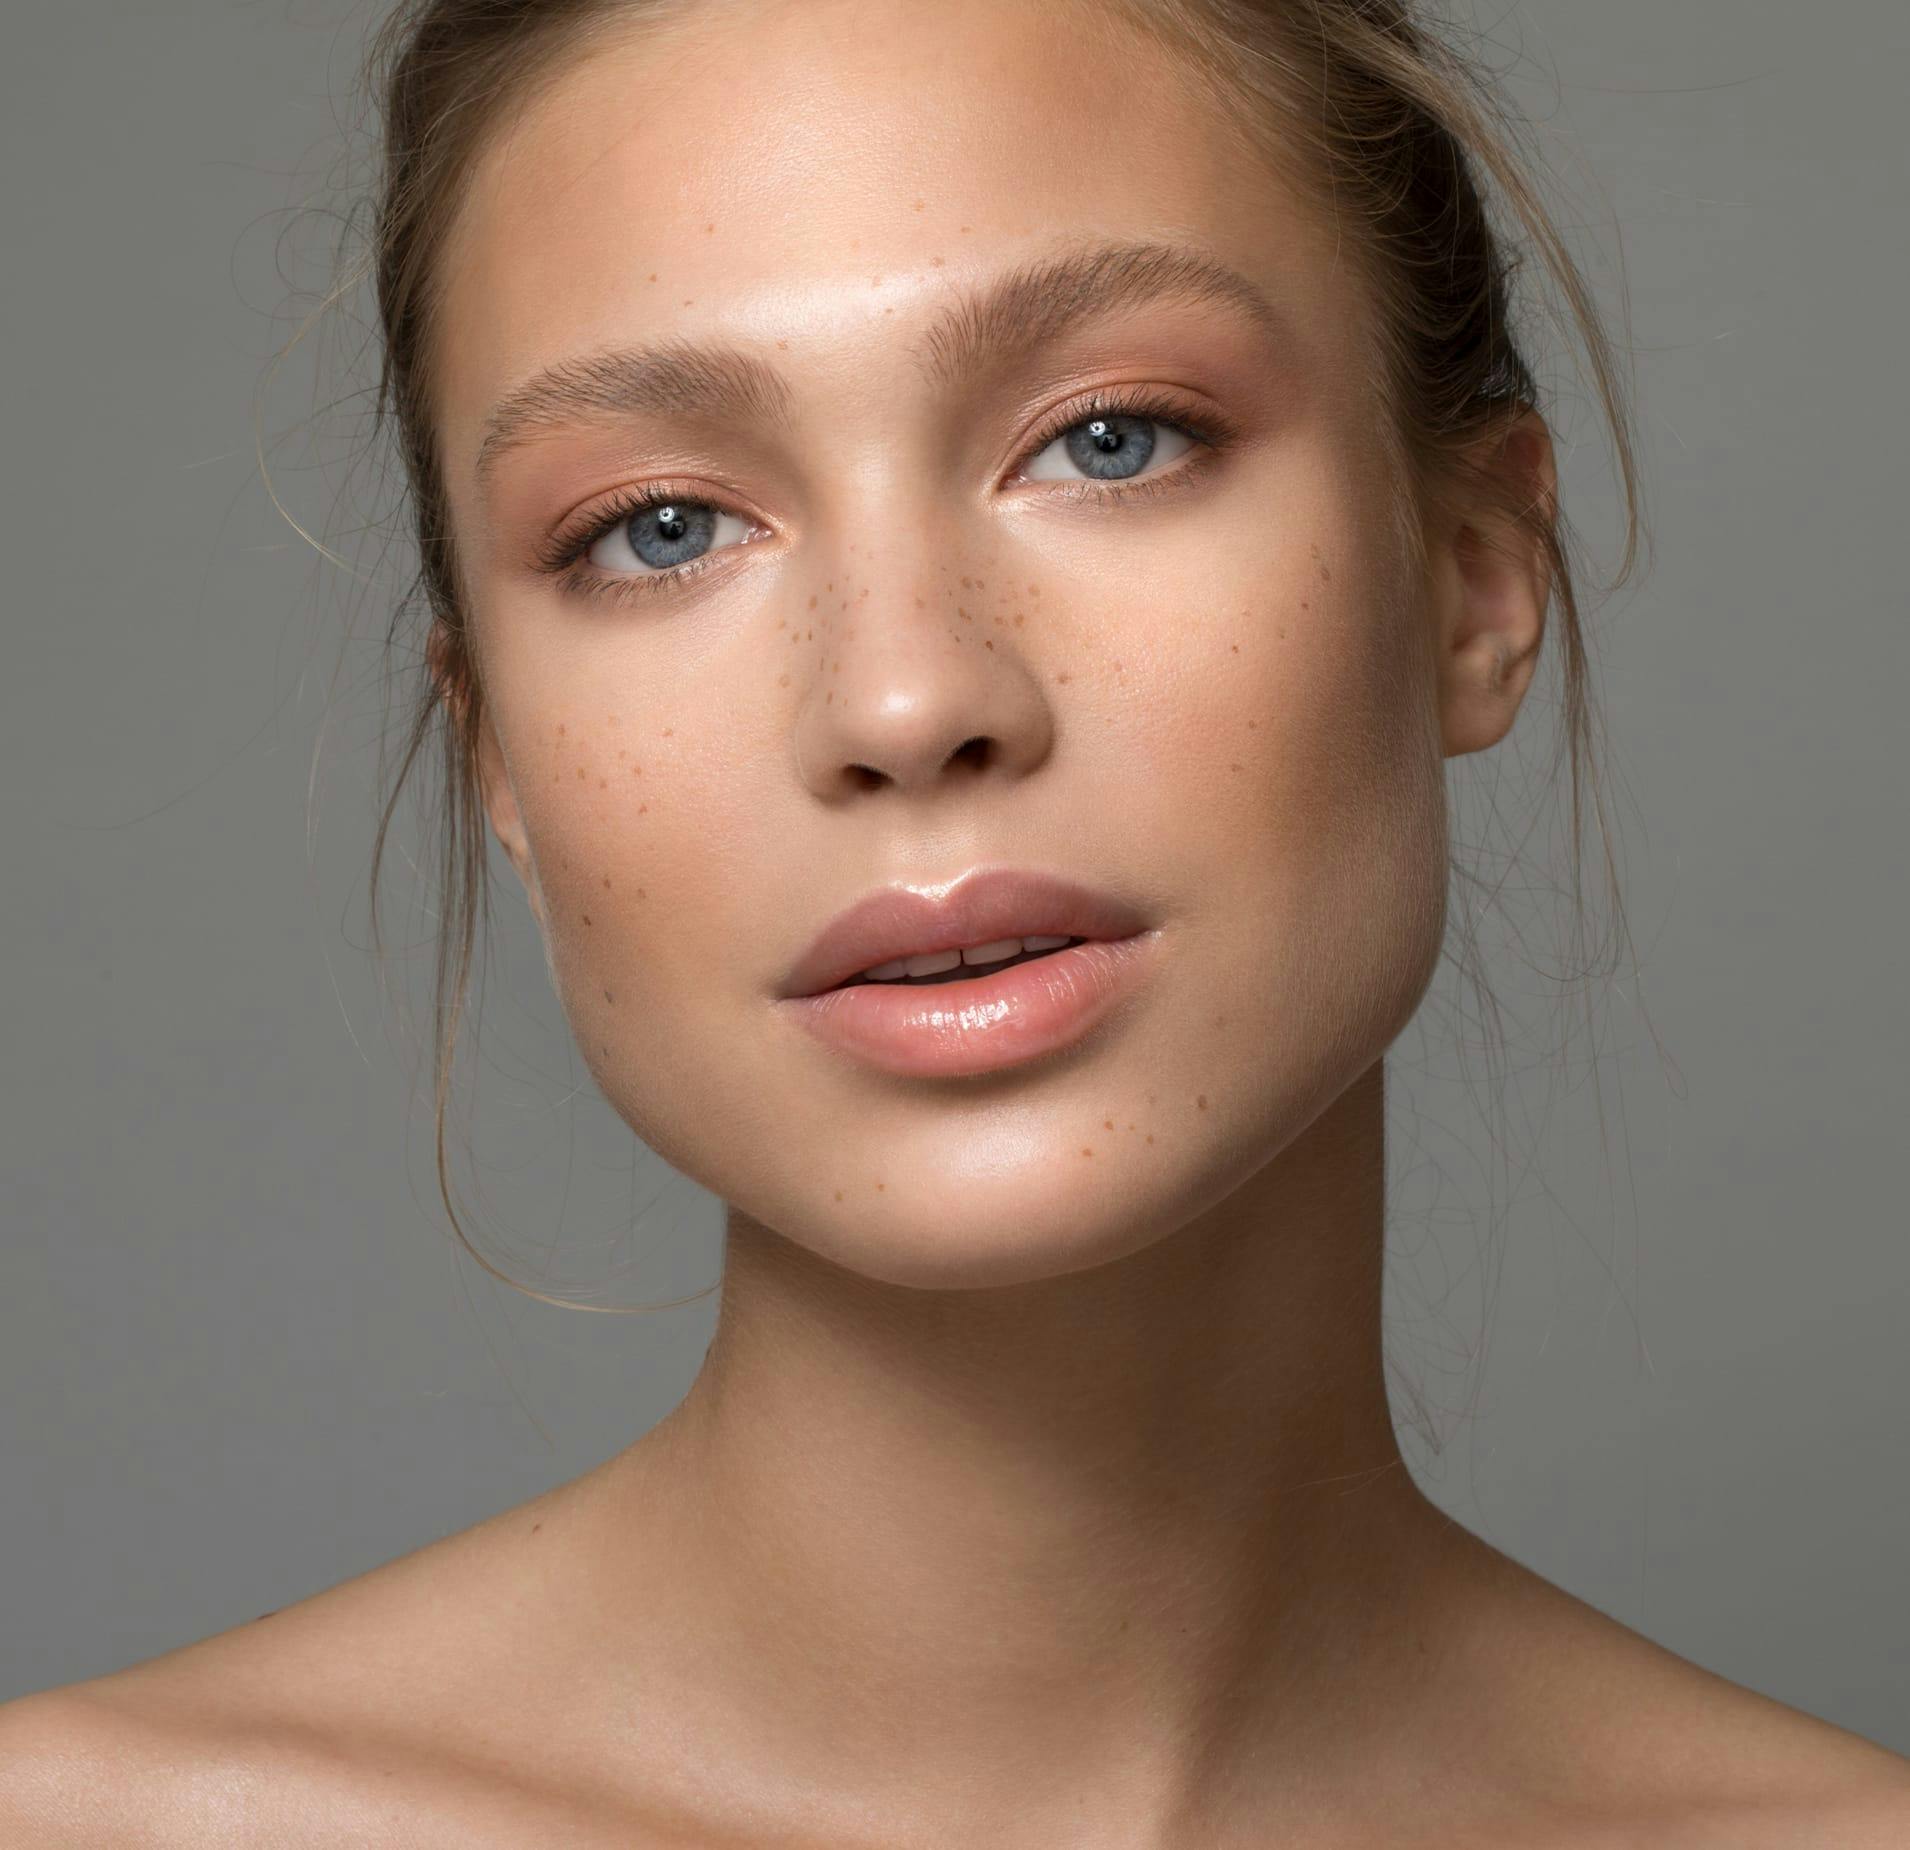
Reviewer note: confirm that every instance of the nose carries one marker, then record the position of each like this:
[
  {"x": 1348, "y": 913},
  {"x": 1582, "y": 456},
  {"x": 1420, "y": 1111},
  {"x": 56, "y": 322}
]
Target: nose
[{"x": 920, "y": 680}]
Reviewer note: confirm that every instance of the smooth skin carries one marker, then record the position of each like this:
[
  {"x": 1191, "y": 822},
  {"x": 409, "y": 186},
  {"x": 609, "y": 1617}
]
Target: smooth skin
[{"x": 1040, "y": 1487}]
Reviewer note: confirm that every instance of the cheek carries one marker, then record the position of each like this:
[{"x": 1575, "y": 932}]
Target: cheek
[{"x": 1309, "y": 793}]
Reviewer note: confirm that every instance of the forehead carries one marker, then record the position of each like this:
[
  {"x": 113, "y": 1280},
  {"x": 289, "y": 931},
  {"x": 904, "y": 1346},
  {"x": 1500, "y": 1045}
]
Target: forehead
[{"x": 823, "y": 173}]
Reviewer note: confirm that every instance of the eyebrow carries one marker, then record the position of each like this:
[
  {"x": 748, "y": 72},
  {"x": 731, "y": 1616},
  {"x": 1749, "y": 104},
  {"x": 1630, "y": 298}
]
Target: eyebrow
[{"x": 1015, "y": 315}]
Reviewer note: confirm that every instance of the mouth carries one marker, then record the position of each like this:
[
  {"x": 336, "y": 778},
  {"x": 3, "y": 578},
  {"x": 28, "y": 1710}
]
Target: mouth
[
  {"x": 970, "y": 931},
  {"x": 984, "y": 1017},
  {"x": 969, "y": 964}
]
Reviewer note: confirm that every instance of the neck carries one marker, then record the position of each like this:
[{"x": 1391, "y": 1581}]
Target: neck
[{"x": 1131, "y": 1528}]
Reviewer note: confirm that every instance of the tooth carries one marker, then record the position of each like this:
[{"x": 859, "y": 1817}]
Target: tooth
[
  {"x": 930, "y": 963},
  {"x": 900, "y": 967},
  {"x": 1043, "y": 944},
  {"x": 992, "y": 953}
]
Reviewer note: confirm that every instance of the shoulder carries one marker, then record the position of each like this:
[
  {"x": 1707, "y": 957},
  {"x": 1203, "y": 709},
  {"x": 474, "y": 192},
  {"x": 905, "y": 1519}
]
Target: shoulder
[
  {"x": 1617, "y": 1741},
  {"x": 85, "y": 1766},
  {"x": 327, "y": 1721}
]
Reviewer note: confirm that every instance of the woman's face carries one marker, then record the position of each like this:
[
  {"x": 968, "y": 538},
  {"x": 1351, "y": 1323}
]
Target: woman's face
[{"x": 1212, "y": 694}]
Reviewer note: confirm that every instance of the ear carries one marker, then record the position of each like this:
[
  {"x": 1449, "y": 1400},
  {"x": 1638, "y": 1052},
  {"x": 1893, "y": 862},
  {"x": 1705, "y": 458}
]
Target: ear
[
  {"x": 1491, "y": 582},
  {"x": 493, "y": 775}
]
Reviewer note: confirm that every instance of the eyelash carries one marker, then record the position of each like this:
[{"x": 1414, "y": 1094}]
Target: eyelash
[{"x": 564, "y": 556}]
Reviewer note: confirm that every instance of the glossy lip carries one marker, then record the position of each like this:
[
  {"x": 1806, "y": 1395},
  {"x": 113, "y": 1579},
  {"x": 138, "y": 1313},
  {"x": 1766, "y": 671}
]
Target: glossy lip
[
  {"x": 986, "y": 905},
  {"x": 981, "y": 1024}
]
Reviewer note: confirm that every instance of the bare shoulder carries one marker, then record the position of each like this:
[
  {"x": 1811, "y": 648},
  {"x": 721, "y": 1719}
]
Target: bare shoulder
[
  {"x": 335, "y": 1719},
  {"x": 1632, "y": 1744}
]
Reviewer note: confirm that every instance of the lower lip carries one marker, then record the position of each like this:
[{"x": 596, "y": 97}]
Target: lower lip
[{"x": 981, "y": 1024}]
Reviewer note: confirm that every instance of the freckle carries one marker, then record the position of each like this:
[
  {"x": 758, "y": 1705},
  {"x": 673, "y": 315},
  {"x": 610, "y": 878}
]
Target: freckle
[
  {"x": 640, "y": 893},
  {"x": 784, "y": 345},
  {"x": 621, "y": 753},
  {"x": 586, "y": 918},
  {"x": 1150, "y": 1098},
  {"x": 965, "y": 617},
  {"x": 918, "y": 205},
  {"x": 830, "y": 698},
  {"x": 782, "y": 680},
  {"x": 981, "y": 584},
  {"x": 1086, "y": 1150},
  {"x": 964, "y": 227},
  {"x": 935, "y": 262},
  {"x": 1019, "y": 619},
  {"x": 812, "y": 605},
  {"x": 988, "y": 645},
  {"x": 636, "y": 770},
  {"x": 1201, "y": 1101},
  {"x": 642, "y": 808},
  {"x": 535, "y": 1527},
  {"x": 1220, "y": 1021},
  {"x": 687, "y": 300},
  {"x": 838, "y": 668},
  {"x": 882, "y": 1185},
  {"x": 809, "y": 636},
  {"x": 606, "y": 883},
  {"x": 603, "y": 783},
  {"x": 580, "y": 774},
  {"x": 1109, "y": 1122},
  {"x": 1236, "y": 648},
  {"x": 1034, "y": 590},
  {"x": 709, "y": 227},
  {"x": 918, "y": 603},
  {"x": 838, "y": 1194},
  {"x": 668, "y": 730},
  {"x": 1326, "y": 577},
  {"x": 653, "y": 276},
  {"x": 1150, "y": 1136},
  {"x": 1253, "y": 725},
  {"x": 1283, "y": 633},
  {"x": 830, "y": 586},
  {"x": 1062, "y": 678},
  {"x": 968, "y": 584},
  {"x": 1117, "y": 667},
  {"x": 1233, "y": 767},
  {"x": 1304, "y": 605},
  {"x": 1130, "y": 1124},
  {"x": 608, "y": 997},
  {"x": 560, "y": 732}
]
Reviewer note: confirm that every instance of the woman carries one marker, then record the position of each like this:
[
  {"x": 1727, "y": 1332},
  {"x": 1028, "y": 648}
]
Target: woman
[{"x": 959, "y": 542}]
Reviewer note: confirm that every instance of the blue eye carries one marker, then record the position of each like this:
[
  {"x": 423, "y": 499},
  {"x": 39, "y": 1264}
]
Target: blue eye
[
  {"x": 1111, "y": 446},
  {"x": 659, "y": 535}
]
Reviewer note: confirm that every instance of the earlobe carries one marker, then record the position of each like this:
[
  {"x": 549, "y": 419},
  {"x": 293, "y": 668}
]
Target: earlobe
[{"x": 1491, "y": 584}]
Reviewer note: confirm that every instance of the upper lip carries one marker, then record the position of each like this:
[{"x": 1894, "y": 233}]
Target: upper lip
[{"x": 984, "y": 906}]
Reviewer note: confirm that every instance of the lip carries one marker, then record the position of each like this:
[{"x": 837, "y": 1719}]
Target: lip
[
  {"x": 987, "y": 904},
  {"x": 980, "y": 1024}
]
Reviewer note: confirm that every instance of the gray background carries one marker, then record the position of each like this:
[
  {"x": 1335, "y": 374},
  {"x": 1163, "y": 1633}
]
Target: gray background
[{"x": 240, "y": 1357}]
